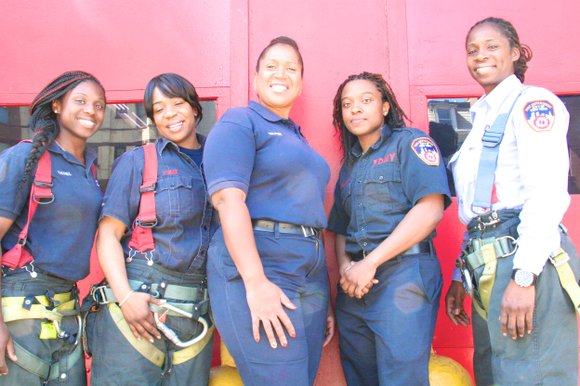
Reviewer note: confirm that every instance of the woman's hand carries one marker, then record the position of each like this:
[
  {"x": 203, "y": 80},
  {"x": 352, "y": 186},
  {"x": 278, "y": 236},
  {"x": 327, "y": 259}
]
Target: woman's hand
[
  {"x": 140, "y": 319},
  {"x": 358, "y": 278},
  {"x": 330, "y": 325},
  {"x": 454, "y": 304},
  {"x": 266, "y": 301},
  {"x": 517, "y": 310},
  {"x": 6, "y": 347}
]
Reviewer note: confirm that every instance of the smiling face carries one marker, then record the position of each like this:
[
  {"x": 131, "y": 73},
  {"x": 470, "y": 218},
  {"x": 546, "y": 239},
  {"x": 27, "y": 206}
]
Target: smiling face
[
  {"x": 80, "y": 112},
  {"x": 363, "y": 111},
  {"x": 490, "y": 59},
  {"x": 278, "y": 81},
  {"x": 175, "y": 119}
]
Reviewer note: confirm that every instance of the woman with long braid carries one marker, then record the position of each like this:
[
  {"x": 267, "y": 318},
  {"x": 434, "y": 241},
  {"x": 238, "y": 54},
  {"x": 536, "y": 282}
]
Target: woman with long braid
[{"x": 39, "y": 327}]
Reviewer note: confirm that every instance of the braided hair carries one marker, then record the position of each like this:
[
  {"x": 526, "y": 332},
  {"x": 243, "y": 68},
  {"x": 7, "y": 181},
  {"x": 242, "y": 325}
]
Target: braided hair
[
  {"x": 509, "y": 32},
  {"x": 395, "y": 118},
  {"x": 43, "y": 120}
]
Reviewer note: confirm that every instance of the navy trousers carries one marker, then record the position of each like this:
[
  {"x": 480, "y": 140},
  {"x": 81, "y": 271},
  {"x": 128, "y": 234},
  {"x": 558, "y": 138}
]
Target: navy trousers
[
  {"x": 297, "y": 265},
  {"x": 385, "y": 337}
]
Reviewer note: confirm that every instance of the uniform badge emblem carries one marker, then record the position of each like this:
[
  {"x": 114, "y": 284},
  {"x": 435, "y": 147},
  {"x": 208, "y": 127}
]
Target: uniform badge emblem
[
  {"x": 539, "y": 115},
  {"x": 426, "y": 150}
]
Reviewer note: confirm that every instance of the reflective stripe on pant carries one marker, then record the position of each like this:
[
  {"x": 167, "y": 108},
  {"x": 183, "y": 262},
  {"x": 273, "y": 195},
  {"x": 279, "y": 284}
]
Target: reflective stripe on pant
[
  {"x": 26, "y": 332},
  {"x": 116, "y": 362},
  {"x": 297, "y": 265},
  {"x": 385, "y": 337},
  {"x": 549, "y": 356}
]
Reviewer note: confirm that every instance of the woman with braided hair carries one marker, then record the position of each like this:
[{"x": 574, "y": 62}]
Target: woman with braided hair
[
  {"x": 390, "y": 196},
  {"x": 39, "y": 324}
]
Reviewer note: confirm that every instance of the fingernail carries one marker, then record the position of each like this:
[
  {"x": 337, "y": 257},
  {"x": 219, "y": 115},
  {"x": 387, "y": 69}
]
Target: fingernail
[
  {"x": 293, "y": 334},
  {"x": 274, "y": 345},
  {"x": 151, "y": 340},
  {"x": 284, "y": 344},
  {"x": 504, "y": 334}
]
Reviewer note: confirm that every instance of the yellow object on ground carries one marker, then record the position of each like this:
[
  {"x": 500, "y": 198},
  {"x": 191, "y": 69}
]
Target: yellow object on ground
[
  {"x": 444, "y": 371},
  {"x": 226, "y": 374}
]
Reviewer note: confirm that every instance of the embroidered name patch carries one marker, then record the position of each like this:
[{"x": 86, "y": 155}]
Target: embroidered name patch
[
  {"x": 426, "y": 151},
  {"x": 539, "y": 115}
]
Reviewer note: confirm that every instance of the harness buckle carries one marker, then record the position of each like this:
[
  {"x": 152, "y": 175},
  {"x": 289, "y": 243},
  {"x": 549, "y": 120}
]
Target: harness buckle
[
  {"x": 488, "y": 219},
  {"x": 558, "y": 262},
  {"x": 99, "y": 292},
  {"x": 146, "y": 224},
  {"x": 513, "y": 241},
  {"x": 150, "y": 188}
]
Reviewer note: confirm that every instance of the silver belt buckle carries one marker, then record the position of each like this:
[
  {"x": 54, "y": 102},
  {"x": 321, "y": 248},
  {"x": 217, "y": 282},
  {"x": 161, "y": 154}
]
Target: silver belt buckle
[{"x": 308, "y": 231}]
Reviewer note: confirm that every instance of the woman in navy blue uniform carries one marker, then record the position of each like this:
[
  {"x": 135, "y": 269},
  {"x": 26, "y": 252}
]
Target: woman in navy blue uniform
[
  {"x": 130, "y": 344},
  {"x": 389, "y": 198},
  {"x": 34, "y": 350},
  {"x": 267, "y": 269}
]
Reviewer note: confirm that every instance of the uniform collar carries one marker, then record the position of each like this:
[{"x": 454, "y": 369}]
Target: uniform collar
[
  {"x": 90, "y": 154},
  {"x": 386, "y": 132},
  {"x": 164, "y": 142},
  {"x": 500, "y": 93},
  {"x": 268, "y": 115}
]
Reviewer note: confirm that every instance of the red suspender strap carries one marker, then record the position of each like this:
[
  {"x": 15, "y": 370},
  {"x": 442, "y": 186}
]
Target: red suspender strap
[
  {"x": 40, "y": 193},
  {"x": 142, "y": 238}
]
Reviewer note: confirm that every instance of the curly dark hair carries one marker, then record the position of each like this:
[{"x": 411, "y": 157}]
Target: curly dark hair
[
  {"x": 43, "y": 120},
  {"x": 395, "y": 118},
  {"x": 509, "y": 32}
]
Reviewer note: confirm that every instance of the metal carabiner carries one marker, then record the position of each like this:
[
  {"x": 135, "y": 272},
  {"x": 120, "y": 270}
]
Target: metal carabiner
[{"x": 171, "y": 335}]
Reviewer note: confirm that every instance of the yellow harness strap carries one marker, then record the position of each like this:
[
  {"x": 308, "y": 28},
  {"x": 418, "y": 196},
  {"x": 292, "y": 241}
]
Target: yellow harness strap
[
  {"x": 13, "y": 308},
  {"x": 487, "y": 278},
  {"x": 567, "y": 278},
  {"x": 148, "y": 349}
]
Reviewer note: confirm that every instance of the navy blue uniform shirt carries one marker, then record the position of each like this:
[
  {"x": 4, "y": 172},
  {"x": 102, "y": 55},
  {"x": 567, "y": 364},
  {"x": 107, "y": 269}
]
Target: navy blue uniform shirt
[
  {"x": 374, "y": 194},
  {"x": 61, "y": 234},
  {"x": 184, "y": 213},
  {"x": 266, "y": 156}
]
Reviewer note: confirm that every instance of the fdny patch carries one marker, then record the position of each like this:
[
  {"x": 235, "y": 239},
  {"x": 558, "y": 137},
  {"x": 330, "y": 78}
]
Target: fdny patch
[
  {"x": 539, "y": 115},
  {"x": 426, "y": 151}
]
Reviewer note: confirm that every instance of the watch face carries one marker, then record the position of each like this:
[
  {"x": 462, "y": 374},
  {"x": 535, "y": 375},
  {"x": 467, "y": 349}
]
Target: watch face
[{"x": 523, "y": 278}]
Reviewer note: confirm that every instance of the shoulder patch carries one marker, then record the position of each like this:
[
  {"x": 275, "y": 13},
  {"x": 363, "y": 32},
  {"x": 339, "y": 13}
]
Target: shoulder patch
[
  {"x": 540, "y": 115},
  {"x": 426, "y": 150}
]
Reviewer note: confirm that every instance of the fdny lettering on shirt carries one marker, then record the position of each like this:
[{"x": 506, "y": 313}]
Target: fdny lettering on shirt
[
  {"x": 426, "y": 150},
  {"x": 382, "y": 160},
  {"x": 171, "y": 172},
  {"x": 539, "y": 115}
]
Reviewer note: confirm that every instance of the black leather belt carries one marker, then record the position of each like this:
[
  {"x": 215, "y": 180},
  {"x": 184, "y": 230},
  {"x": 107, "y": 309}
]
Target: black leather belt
[
  {"x": 420, "y": 247},
  {"x": 284, "y": 227}
]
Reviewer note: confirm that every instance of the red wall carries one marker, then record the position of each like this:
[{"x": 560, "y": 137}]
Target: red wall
[{"x": 417, "y": 45}]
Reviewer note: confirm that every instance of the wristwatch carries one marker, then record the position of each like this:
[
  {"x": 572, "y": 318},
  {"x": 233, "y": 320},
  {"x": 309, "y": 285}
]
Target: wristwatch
[{"x": 523, "y": 278}]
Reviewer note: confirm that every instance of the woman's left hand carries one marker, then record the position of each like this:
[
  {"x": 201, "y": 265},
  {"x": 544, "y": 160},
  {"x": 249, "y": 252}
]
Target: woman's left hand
[
  {"x": 359, "y": 279},
  {"x": 330, "y": 325}
]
